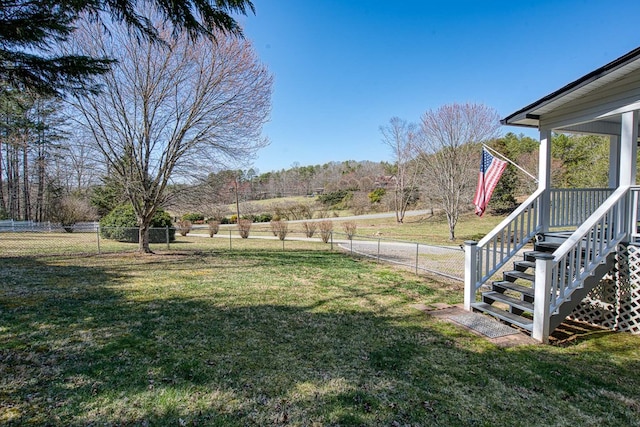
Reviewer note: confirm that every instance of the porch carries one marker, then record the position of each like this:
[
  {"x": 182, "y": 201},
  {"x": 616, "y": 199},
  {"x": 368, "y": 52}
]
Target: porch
[{"x": 561, "y": 243}]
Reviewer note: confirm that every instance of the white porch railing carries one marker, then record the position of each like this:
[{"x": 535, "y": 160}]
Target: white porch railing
[
  {"x": 635, "y": 215},
  {"x": 496, "y": 248},
  {"x": 570, "y": 207},
  {"x": 577, "y": 258}
]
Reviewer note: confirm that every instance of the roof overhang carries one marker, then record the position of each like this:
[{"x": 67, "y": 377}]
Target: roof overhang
[{"x": 530, "y": 115}]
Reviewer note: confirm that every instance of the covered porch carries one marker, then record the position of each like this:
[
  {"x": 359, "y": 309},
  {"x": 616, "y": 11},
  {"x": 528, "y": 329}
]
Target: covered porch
[{"x": 555, "y": 272}]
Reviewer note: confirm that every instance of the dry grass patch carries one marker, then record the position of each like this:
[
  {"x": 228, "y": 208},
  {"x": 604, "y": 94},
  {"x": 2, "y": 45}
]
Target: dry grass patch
[{"x": 259, "y": 337}]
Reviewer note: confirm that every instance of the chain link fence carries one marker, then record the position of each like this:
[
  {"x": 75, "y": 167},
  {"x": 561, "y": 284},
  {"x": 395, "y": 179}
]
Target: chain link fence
[
  {"x": 447, "y": 261},
  {"x": 23, "y": 239}
]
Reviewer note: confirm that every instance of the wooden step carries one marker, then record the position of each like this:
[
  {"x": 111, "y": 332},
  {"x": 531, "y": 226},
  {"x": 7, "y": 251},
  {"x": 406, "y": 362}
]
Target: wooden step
[
  {"x": 492, "y": 296},
  {"x": 556, "y": 237},
  {"x": 523, "y": 265},
  {"x": 503, "y": 286},
  {"x": 558, "y": 234},
  {"x": 531, "y": 255},
  {"x": 515, "y": 274},
  {"x": 546, "y": 246},
  {"x": 513, "y": 319}
]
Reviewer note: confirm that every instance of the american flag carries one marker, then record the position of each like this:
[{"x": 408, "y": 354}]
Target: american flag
[{"x": 490, "y": 172}]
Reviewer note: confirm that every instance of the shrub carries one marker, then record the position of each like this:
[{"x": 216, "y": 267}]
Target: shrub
[
  {"x": 280, "y": 229},
  {"x": 69, "y": 210},
  {"x": 293, "y": 211},
  {"x": 121, "y": 224},
  {"x": 334, "y": 198},
  {"x": 326, "y": 227},
  {"x": 214, "y": 227},
  {"x": 359, "y": 203},
  {"x": 244, "y": 225},
  {"x": 264, "y": 217},
  {"x": 349, "y": 228},
  {"x": 376, "y": 195},
  {"x": 233, "y": 219},
  {"x": 309, "y": 228},
  {"x": 184, "y": 227},
  {"x": 193, "y": 217}
]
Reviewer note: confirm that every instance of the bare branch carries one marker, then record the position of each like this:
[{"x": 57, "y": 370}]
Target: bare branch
[
  {"x": 170, "y": 110},
  {"x": 447, "y": 148}
]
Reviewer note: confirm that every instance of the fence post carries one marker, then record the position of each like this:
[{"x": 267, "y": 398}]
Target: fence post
[
  {"x": 230, "y": 239},
  {"x": 98, "y": 237},
  {"x": 167, "y": 235},
  {"x": 417, "y": 254},
  {"x": 378, "y": 250},
  {"x": 331, "y": 237},
  {"x": 542, "y": 290},
  {"x": 470, "y": 272},
  {"x": 350, "y": 244}
]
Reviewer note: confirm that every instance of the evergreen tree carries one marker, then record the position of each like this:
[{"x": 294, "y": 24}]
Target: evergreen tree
[
  {"x": 513, "y": 182},
  {"x": 31, "y": 29}
]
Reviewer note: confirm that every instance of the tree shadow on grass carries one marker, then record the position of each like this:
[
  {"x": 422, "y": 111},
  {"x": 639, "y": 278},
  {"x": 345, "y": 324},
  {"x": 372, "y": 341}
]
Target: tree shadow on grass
[{"x": 79, "y": 348}]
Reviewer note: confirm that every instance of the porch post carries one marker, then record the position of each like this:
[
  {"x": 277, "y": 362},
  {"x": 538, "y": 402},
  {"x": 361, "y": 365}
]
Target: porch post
[
  {"x": 614, "y": 161},
  {"x": 544, "y": 178},
  {"x": 470, "y": 272},
  {"x": 542, "y": 291},
  {"x": 628, "y": 148}
]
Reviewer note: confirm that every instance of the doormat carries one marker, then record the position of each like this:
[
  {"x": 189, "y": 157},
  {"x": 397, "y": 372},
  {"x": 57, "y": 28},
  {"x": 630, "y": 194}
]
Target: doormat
[{"x": 484, "y": 324}]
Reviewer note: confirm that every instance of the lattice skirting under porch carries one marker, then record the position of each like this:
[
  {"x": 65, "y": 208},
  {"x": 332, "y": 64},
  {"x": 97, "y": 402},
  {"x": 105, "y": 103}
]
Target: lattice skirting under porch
[{"x": 615, "y": 302}]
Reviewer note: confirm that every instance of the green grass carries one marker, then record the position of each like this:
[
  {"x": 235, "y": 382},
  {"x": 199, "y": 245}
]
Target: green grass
[
  {"x": 430, "y": 229},
  {"x": 262, "y": 337},
  {"x": 427, "y": 229}
]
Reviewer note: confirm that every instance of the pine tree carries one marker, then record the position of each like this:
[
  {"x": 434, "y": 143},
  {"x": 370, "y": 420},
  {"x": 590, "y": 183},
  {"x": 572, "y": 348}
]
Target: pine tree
[{"x": 31, "y": 29}]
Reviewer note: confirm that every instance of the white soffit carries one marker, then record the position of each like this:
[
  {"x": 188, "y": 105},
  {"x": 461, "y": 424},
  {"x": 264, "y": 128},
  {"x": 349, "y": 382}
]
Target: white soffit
[
  {"x": 617, "y": 69},
  {"x": 587, "y": 87}
]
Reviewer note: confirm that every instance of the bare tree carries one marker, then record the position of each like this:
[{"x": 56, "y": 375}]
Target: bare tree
[
  {"x": 401, "y": 137},
  {"x": 169, "y": 110},
  {"x": 449, "y": 155}
]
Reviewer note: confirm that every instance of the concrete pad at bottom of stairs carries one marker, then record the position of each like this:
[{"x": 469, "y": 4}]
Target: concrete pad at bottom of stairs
[{"x": 496, "y": 332}]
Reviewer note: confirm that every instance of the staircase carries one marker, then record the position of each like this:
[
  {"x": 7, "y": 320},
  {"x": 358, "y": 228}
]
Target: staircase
[{"x": 511, "y": 299}]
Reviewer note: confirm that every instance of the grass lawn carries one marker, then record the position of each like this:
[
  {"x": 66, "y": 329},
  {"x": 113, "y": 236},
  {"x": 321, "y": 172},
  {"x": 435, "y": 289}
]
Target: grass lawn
[
  {"x": 263, "y": 337},
  {"x": 430, "y": 229}
]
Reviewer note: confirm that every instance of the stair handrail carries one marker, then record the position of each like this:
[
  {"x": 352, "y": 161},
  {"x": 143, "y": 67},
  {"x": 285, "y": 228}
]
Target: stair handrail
[
  {"x": 579, "y": 255},
  {"x": 496, "y": 248}
]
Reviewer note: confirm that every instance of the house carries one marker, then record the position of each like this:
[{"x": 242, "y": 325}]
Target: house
[{"x": 570, "y": 252}]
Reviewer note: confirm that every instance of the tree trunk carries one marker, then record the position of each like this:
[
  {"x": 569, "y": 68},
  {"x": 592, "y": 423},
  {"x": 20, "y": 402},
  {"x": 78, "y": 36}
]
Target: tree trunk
[
  {"x": 396, "y": 206},
  {"x": 143, "y": 239},
  {"x": 13, "y": 181},
  {"x": 26, "y": 205},
  {"x": 40, "y": 166},
  {"x": 3, "y": 206},
  {"x": 452, "y": 227}
]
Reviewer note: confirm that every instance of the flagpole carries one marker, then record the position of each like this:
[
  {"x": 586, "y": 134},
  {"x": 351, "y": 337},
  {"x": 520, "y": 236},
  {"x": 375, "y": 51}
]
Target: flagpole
[{"x": 509, "y": 161}]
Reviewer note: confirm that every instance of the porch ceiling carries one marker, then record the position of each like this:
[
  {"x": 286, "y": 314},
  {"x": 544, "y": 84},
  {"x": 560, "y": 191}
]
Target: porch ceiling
[{"x": 573, "y": 94}]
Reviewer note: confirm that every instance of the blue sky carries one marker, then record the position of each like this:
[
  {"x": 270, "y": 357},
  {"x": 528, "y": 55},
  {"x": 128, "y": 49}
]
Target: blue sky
[{"x": 343, "y": 68}]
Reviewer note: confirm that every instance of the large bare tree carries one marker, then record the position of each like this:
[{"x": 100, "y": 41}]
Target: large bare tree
[
  {"x": 401, "y": 137},
  {"x": 171, "y": 109},
  {"x": 448, "y": 148}
]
